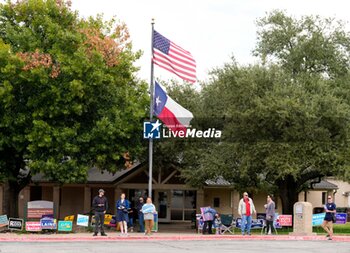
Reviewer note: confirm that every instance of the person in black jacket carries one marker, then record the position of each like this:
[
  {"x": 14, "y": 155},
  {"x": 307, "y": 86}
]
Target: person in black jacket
[
  {"x": 100, "y": 205},
  {"x": 140, "y": 214}
]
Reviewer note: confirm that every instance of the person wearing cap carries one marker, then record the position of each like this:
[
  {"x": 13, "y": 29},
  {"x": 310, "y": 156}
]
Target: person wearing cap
[
  {"x": 100, "y": 205},
  {"x": 246, "y": 209}
]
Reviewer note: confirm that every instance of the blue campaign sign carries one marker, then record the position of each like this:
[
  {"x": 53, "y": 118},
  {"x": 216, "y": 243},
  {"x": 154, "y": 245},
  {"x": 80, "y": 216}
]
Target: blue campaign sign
[
  {"x": 317, "y": 219},
  {"x": 83, "y": 220},
  {"x": 256, "y": 223},
  {"x": 48, "y": 223},
  {"x": 341, "y": 218},
  {"x": 3, "y": 220}
]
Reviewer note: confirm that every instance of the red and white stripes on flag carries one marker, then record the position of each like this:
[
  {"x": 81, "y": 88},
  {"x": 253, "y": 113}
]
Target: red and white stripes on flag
[{"x": 173, "y": 58}]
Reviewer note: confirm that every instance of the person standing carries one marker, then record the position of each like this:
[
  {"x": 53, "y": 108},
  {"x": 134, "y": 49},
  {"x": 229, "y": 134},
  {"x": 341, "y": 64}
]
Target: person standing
[
  {"x": 270, "y": 214},
  {"x": 218, "y": 224},
  {"x": 100, "y": 206},
  {"x": 246, "y": 209},
  {"x": 209, "y": 215},
  {"x": 123, "y": 206},
  {"x": 148, "y": 211},
  {"x": 329, "y": 218},
  {"x": 140, "y": 214}
]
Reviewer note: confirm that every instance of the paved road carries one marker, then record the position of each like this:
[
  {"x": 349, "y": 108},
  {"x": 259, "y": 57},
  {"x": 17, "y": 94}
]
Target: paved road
[{"x": 177, "y": 247}]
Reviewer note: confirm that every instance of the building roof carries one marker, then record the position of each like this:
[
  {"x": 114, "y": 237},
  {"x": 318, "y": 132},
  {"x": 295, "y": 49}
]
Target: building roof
[
  {"x": 324, "y": 185},
  {"x": 94, "y": 175},
  {"x": 219, "y": 181}
]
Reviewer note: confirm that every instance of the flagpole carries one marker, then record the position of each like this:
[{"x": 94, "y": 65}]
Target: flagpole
[{"x": 151, "y": 90}]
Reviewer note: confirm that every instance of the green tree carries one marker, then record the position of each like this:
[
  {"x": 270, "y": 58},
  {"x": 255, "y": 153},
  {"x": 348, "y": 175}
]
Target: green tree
[
  {"x": 279, "y": 134},
  {"x": 69, "y": 99},
  {"x": 285, "y": 123},
  {"x": 311, "y": 44}
]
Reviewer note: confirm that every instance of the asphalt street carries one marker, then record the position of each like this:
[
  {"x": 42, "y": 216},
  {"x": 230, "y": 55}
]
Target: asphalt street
[{"x": 177, "y": 247}]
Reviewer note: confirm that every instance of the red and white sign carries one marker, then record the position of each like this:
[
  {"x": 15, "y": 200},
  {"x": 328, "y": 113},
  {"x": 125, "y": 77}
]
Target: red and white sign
[
  {"x": 285, "y": 220},
  {"x": 33, "y": 226}
]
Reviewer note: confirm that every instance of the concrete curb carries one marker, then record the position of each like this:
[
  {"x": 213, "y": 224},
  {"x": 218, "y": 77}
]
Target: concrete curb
[{"x": 67, "y": 238}]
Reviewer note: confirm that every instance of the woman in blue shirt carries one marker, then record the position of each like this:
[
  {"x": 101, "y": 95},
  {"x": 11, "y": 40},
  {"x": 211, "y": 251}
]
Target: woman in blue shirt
[
  {"x": 327, "y": 224},
  {"x": 123, "y": 207},
  {"x": 148, "y": 211}
]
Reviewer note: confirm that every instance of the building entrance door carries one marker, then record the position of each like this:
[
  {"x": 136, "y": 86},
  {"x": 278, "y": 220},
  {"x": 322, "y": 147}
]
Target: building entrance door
[{"x": 163, "y": 205}]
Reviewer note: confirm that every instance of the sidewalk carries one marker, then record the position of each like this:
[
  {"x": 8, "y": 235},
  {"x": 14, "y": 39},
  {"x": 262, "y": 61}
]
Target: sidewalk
[{"x": 113, "y": 236}]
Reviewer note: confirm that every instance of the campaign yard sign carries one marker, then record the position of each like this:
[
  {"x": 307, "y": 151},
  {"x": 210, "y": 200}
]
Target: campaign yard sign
[
  {"x": 205, "y": 215},
  {"x": 285, "y": 220},
  {"x": 65, "y": 226},
  {"x": 256, "y": 223},
  {"x": 341, "y": 218},
  {"x": 317, "y": 219},
  {"x": 83, "y": 220},
  {"x": 15, "y": 224},
  {"x": 48, "y": 223},
  {"x": 3, "y": 221},
  {"x": 108, "y": 218},
  {"x": 33, "y": 226},
  {"x": 69, "y": 218}
]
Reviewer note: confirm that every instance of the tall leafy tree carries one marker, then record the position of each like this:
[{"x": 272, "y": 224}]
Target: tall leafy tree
[
  {"x": 311, "y": 44},
  {"x": 69, "y": 98},
  {"x": 280, "y": 134}
]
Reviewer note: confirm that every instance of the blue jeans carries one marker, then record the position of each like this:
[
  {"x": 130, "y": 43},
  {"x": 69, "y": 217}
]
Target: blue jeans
[
  {"x": 246, "y": 224},
  {"x": 131, "y": 222},
  {"x": 141, "y": 222}
]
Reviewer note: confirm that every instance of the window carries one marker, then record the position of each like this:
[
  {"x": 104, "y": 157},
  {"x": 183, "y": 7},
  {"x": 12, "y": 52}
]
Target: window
[
  {"x": 183, "y": 204},
  {"x": 324, "y": 197},
  {"x": 216, "y": 202},
  {"x": 35, "y": 193}
]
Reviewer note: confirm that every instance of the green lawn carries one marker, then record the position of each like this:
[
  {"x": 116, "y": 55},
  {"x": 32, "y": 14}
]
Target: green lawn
[{"x": 338, "y": 229}]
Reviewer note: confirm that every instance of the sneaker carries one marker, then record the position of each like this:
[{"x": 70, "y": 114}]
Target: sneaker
[
  {"x": 329, "y": 238},
  {"x": 103, "y": 234},
  {"x": 95, "y": 234},
  {"x": 327, "y": 235}
]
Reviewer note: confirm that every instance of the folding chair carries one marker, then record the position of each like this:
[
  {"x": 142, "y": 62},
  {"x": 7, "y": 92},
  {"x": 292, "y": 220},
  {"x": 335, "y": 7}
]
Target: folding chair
[{"x": 227, "y": 223}]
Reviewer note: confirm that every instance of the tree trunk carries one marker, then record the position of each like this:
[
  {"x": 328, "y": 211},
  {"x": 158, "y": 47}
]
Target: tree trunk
[
  {"x": 11, "y": 192},
  {"x": 289, "y": 194}
]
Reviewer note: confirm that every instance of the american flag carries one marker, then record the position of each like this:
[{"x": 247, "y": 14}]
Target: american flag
[{"x": 173, "y": 58}]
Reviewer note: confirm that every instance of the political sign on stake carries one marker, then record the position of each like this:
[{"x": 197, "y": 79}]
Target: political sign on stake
[
  {"x": 65, "y": 226},
  {"x": 15, "y": 224},
  {"x": 83, "y": 220},
  {"x": 341, "y": 218},
  {"x": 48, "y": 223},
  {"x": 3, "y": 221},
  {"x": 33, "y": 226}
]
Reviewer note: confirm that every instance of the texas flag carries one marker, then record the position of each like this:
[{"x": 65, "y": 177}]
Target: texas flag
[{"x": 173, "y": 115}]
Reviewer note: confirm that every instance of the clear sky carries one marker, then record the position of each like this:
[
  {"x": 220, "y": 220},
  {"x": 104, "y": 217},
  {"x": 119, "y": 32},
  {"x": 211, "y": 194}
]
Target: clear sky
[{"x": 212, "y": 30}]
